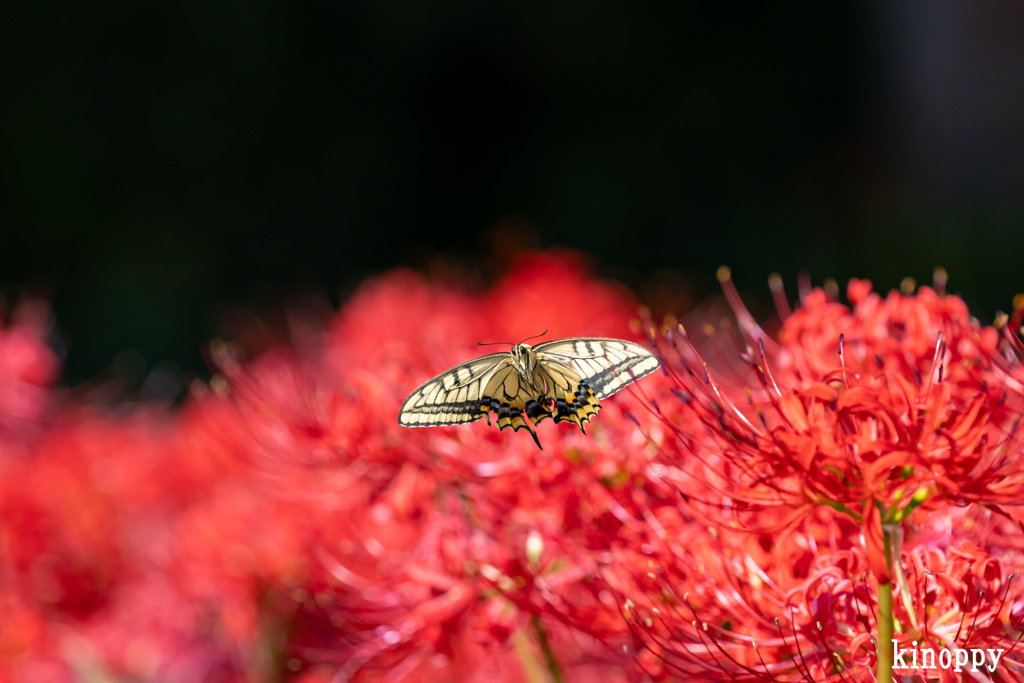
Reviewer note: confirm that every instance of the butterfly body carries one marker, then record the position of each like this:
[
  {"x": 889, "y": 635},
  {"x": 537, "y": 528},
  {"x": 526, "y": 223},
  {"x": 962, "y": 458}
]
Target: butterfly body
[
  {"x": 525, "y": 360},
  {"x": 562, "y": 379}
]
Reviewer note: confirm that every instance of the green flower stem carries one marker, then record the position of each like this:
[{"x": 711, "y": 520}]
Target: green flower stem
[
  {"x": 885, "y": 620},
  {"x": 549, "y": 654},
  {"x": 835, "y": 505},
  {"x": 884, "y": 649}
]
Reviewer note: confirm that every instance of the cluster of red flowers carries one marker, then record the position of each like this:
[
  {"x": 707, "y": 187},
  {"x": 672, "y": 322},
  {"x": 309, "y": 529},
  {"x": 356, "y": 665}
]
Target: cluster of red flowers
[
  {"x": 733, "y": 521},
  {"x": 870, "y": 454}
]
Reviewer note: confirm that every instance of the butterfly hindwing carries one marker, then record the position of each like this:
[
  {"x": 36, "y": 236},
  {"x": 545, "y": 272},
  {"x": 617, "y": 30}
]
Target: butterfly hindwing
[
  {"x": 454, "y": 396},
  {"x": 513, "y": 401},
  {"x": 570, "y": 396},
  {"x": 607, "y": 365}
]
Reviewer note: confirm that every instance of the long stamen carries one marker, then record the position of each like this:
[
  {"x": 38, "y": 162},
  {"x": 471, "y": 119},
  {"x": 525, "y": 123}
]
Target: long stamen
[
  {"x": 729, "y": 404},
  {"x": 922, "y": 598},
  {"x": 686, "y": 599},
  {"x": 761, "y": 658},
  {"x": 835, "y": 659},
  {"x": 779, "y": 295},
  {"x": 842, "y": 361},
  {"x": 977, "y": 611},
  {"x": 678, "y": 634},
  {"x": 796, "y": 641},
  {"x": 743, "y": 316},
  {"x": 711, "y": 636},
  {"x": 785, "y": 644},
  {"x": 1016, "y": 627},
  {"x": 719, "y": 664},
  {"x": 936, "y": 362},
  {"x": 1006, "y": 593},
  {"x": 967, "y": 601},
  {"x": 709, "y": 382},
  {"x": 764, "y": 366},
  {"x": 856, "y": 602},
  {"x": 864, "y": 578},
  {"x": 1013, "y": 327},
  {"x": 624, "y": 612},
  {"x": 803, "y": 285}
]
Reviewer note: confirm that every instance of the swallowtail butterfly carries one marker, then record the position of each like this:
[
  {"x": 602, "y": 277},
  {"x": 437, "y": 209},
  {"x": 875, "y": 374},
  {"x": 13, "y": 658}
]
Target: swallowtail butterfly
[{"x": 562, "y": 379}]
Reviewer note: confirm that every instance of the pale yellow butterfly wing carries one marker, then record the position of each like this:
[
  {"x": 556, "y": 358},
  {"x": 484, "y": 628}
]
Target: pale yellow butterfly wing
[
  {"x": 454, "y": 396},
  {"x": 607, "y": 365}
]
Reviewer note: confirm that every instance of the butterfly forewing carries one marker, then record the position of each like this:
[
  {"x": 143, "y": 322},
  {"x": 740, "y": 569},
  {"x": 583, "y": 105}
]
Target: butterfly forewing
[
  {"x": 607, "y": 365},
  {"x": 453, "y": 397}
]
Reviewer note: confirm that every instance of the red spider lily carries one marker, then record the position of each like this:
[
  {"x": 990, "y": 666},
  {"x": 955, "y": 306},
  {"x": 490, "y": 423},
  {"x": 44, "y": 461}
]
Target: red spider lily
[
  {"x": 822, "y": 627},
  {"x": 875, "y": 412},
  {"x": 892, "y": 407},
  {"x": 87, "y": 520}
]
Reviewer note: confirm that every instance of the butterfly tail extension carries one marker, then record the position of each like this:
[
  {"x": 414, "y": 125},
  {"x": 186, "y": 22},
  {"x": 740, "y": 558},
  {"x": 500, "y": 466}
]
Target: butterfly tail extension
[{"x": 512, "y": 417}]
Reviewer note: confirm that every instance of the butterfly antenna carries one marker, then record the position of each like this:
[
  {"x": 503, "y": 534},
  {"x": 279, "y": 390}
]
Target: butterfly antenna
[
  {"x": 493, "y": 343},
  {"x": 534, "y": 336}
]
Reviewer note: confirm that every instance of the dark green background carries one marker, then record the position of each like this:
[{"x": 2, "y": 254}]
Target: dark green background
[{"x": 159, "y": 161}]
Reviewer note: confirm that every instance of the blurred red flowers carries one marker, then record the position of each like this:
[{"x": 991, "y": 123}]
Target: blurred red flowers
[{"x": 741, "y": 519}]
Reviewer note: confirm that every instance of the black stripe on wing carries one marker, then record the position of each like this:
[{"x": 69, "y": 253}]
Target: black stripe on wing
[
  {"x": 607, "y": 365},
  {"x": 572, "y": 398},
  {"x": 609, "y": 379},
  {"x": 454, "y": 396}
]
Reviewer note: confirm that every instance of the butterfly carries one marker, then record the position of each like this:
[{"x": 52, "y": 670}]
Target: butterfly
[{"x": 564, "y": 379}]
